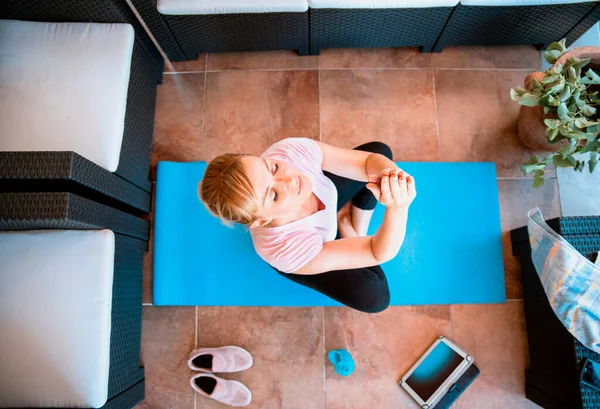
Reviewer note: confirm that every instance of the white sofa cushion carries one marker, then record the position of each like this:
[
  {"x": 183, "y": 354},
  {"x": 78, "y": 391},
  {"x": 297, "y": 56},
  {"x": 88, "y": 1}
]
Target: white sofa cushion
[
  {"x": 199, "y": 7},
  {"x": 519, "y": 2},
  {"x": 63, "y": 87},
  {"x": 376, "y": 4},
  {"x": 55, "y": 317}
]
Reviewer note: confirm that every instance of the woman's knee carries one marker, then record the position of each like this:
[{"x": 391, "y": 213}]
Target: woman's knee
[
  {"x": 377, "y": 147},
  {"x": 377, "y": 302},
  {"x": 379, "y": 305}
]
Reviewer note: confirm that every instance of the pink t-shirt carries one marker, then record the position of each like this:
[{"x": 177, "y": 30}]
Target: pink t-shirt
[{"x": 291, "y": 246}]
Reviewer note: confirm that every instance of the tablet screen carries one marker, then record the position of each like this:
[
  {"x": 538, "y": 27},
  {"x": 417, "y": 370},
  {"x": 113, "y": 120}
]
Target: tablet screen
[{"x": 434, "y": 370}]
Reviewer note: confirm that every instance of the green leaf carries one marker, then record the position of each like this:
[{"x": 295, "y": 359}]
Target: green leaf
[
  {"x": 532, "y": 165},
  {"x": 537, "y": 86},
  {"x": 550, "y": 78},
  {"x": 546, "y": 109},
  {"x": 551, "y": 134},
  {"x": 552, "y": 123},
  {"x": 548, "y": 158},
  {"x": 561, "y": 162},
  {"x": 558, "y": 45},
  {"x": 567, "y": 150},
  {"x": 556, "y": 69},
  {"x": 552, "y": 55},
  {"x": 576, "y": 135},
  {"x": 591, "y": 146},
  {"x": 514, "y": 95},
  {"x": 588, "y": 110},
  {"x": 590, "y": 78},
  {"x": 572, "y": 76},
  {"x": 538, "y": 181},
  {"x": 594, "y": 130},
  {"x": 580, "y": 64},
  {"x": 565, "y": 94},
  {"x": 593, "y": 76},
  {"x": 582, "y": 123},
  {"x": 571, "y": 160},
  {"x": 563, "y": 112},
  {"x": 549, "y": 101},
  {"x": 555, "y": 50},
  {"x": 526, "y": 169},
  {"x": 593, "y": 161},
  {"x": 562, "y": 45},
  {"x": 528, "y": 99},
  {"x": 556, "y": 86},
  {"x": 559, "y": 138},
  {"x": 579, "y": 166}
]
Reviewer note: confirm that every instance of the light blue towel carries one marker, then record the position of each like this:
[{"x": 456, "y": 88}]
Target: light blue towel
[{"x": 571, "y": 281}]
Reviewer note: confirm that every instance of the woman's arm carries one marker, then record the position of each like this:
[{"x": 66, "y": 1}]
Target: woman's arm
[
  {"x": 396, "y": 193},
  {"x": 353, "y": 164}
]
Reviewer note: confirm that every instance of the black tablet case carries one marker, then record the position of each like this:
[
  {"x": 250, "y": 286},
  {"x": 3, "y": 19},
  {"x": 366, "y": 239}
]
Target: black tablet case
[{"x": 458, "y": 388}]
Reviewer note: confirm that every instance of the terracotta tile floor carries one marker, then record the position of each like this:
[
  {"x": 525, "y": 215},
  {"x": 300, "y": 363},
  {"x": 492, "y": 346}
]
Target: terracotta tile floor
[{"x": 452, "y": 106}]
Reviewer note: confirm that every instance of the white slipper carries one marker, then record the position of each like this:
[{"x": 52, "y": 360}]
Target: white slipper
[
  {"x": 232, "y": 393},
  {"x": 224, "y": 359}
]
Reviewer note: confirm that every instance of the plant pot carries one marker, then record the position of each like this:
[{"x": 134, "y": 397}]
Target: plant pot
[{"x": 532, "y": 130}]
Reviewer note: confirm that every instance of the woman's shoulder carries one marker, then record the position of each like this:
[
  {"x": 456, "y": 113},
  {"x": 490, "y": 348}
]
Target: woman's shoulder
[
  {"x": 287, "y": 249},
  {"x": 296, "y": 150}
]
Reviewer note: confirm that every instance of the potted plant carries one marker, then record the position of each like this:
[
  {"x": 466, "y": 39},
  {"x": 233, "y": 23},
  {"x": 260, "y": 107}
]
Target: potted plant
[{"x": 559, "y": 111}]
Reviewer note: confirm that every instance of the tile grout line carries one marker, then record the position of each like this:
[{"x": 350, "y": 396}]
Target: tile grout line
[
  {"x": 350, "y": 69},
  {"x": 183, "y": 72},
  {"x": 437, "y": 117},
  {"x": 319, "y": 91},
  {"x": 204, "y": 111},
  {"x": 324, "y": 364},
  {"x": 451, "y": 324}
]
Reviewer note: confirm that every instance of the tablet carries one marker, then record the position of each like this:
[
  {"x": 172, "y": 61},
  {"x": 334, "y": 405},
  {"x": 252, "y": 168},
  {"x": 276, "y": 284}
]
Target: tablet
[{"x": 434, "y": 374}]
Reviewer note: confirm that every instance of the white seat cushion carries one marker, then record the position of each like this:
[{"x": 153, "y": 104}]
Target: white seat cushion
[
  {"x": 519, "y": 2},
  {"x": 55, "y": 317},
  {"x": 376, "y": 4},
  {"x": 63, "y": 87},
  {"x": 198, "y": 7}
]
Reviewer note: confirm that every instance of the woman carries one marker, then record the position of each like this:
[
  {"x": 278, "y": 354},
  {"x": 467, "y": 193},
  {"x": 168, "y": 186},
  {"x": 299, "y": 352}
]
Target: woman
[{"x": 290, "y": 197}]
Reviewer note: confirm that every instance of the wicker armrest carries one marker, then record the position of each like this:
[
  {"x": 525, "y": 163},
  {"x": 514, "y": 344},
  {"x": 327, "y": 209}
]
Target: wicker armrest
[
  {"x": 60, "y": 210},
  {"x": 29, "y": 172},
  {"x": 129, "y": 398},
  {"x": 585, "y": 226}
]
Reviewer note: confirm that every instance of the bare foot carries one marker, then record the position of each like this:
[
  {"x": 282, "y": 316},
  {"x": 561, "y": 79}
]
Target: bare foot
[{"x": 345, "y": 227}]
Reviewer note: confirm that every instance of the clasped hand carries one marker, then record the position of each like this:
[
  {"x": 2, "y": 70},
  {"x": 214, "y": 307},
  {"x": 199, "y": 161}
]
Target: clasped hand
[{"x": 393, "y": 188}]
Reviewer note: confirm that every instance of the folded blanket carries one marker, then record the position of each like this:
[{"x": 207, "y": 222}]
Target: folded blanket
[{"x": 571, "y": 281}]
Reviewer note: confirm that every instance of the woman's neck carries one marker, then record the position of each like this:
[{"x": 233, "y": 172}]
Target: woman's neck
[{"x": 311, "y": 206}]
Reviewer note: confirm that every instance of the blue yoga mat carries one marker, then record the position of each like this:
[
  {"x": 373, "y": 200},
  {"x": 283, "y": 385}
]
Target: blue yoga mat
[{"x": 452, "y": 253}]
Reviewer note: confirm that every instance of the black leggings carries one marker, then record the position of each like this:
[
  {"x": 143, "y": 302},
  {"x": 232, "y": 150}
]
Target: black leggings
[{"x": 364, "y": 289}]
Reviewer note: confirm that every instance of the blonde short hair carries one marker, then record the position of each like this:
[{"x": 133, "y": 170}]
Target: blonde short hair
[{"x": 227, "y": 192}]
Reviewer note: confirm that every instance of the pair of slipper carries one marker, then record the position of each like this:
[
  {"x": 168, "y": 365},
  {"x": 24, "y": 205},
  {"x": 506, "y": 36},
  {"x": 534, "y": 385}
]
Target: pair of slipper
[{"x": 207, "y": 361}]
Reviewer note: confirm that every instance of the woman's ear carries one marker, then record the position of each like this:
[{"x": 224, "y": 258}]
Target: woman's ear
[{"x": 259, "y": 223}]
